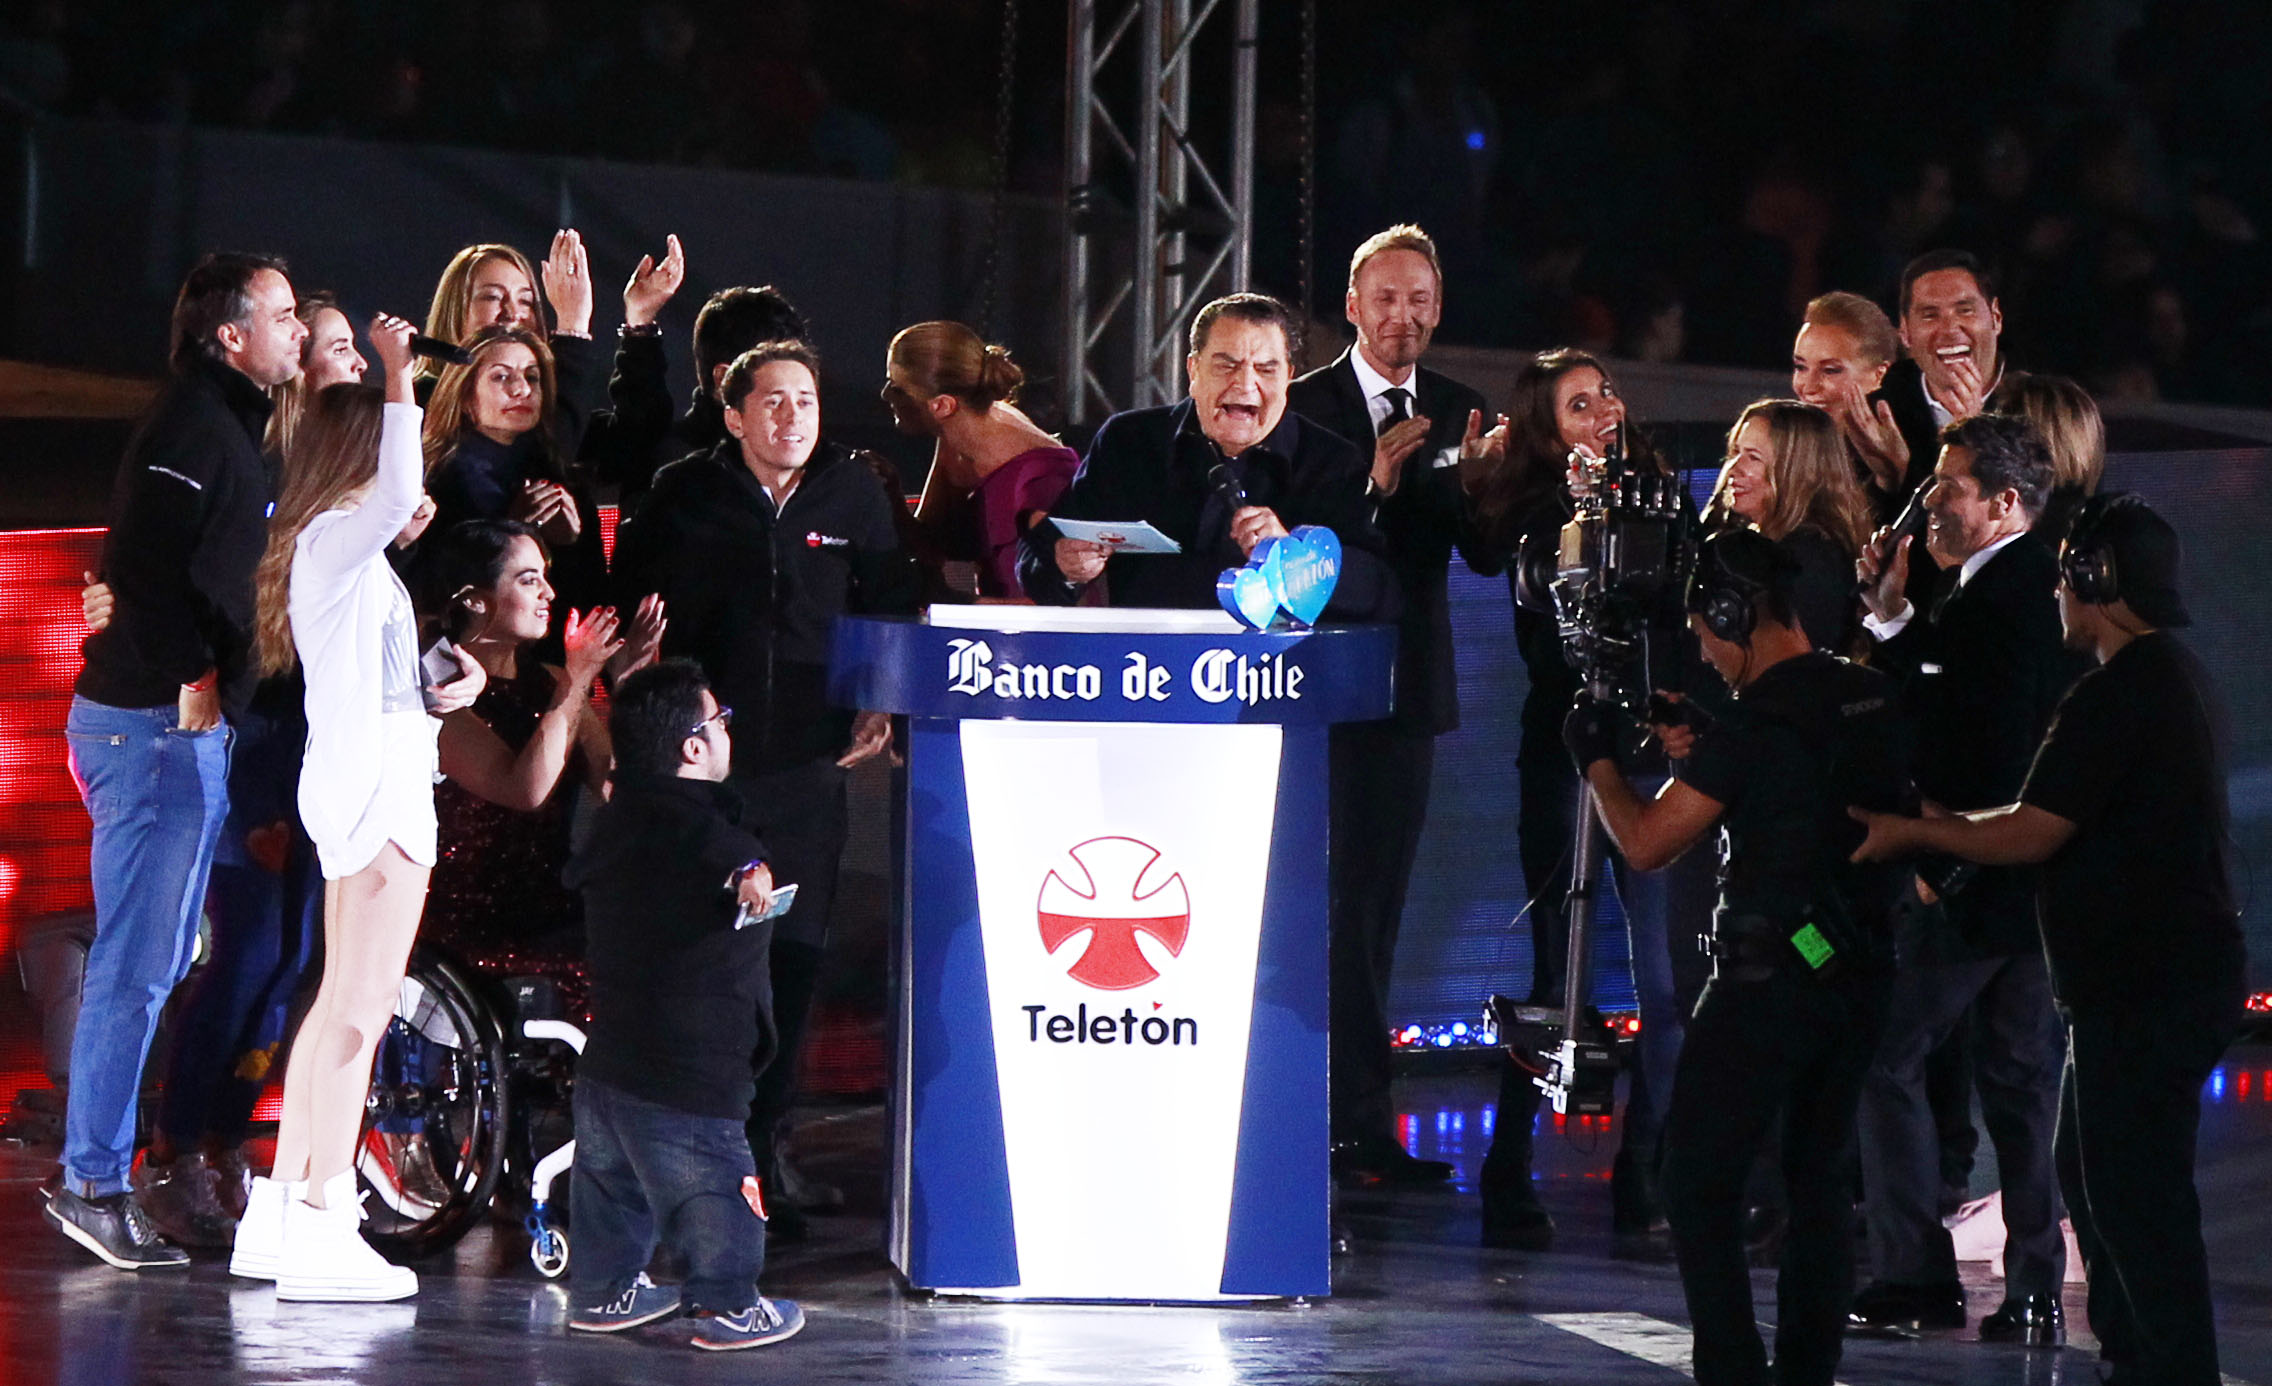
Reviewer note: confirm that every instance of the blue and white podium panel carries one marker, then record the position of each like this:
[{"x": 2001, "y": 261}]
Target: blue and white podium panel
[{"x": 1111, "y": 1080}]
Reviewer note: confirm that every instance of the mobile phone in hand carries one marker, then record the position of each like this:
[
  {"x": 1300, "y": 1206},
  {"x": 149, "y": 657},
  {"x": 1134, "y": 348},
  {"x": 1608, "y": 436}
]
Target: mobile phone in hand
[
  {"x": 783, "y": 898},
  {"x": 440, "y": 666}
]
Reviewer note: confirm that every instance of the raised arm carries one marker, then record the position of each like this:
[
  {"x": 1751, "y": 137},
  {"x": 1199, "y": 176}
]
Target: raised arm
[{"x": 340, "y": 547}]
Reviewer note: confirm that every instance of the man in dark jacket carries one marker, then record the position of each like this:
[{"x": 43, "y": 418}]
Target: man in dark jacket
[
  {"x": 756, "y": 547},
  {"x": 636, "y": 435},
  {"x": 1981, "y": 670},
  {"x": 1219, "y": 473},
  {"x": 149, "y": 726},
  {"x": 2126, "y": 808},
  {"x": 675, "y": 894},
  {"x": 1414, "y": 423}
]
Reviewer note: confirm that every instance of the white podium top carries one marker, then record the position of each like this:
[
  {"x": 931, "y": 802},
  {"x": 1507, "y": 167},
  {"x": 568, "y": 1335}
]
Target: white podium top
[{"x": 1010, "y": 619}]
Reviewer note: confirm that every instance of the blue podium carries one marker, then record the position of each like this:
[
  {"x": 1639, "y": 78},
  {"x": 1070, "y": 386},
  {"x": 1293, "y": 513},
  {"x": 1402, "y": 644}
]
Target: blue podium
[{"x": 1111, "y": 1076}]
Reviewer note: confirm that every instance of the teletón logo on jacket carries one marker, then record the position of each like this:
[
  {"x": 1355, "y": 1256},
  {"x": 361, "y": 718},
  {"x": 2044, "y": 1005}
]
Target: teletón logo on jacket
[{"x": 1117, "y": 895}]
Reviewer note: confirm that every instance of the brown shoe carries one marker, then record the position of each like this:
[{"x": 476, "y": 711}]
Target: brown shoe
[{"x": 182, "y": 1199}]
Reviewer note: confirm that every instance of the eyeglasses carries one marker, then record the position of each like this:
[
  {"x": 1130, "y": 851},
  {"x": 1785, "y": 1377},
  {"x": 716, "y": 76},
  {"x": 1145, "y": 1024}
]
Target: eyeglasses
[{"x": 724, "y": 717}]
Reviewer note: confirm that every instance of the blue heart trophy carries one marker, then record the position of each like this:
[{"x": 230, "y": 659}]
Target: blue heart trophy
[{"x": 1286, "y": 581}]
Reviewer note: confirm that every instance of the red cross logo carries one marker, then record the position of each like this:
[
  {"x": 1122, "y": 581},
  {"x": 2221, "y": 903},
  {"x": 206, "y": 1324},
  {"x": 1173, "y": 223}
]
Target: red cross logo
[{"x": 1114, "y": 897}]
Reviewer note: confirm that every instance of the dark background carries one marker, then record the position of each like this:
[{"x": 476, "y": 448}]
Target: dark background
[{"x": 1668, "y": 179}]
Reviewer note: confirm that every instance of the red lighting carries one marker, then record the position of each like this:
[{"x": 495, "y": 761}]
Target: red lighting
[{"x": 2261, "y": 1002}]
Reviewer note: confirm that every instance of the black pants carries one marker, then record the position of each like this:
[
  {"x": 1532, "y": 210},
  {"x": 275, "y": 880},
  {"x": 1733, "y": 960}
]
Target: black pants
[
  {"x": 1546, "y": 816},
  {"x": 800, "y": 816},
  {"x": 1791, "y": 1046},
  {"x": 2129, "y": 1114},
  {"x": 2016, "y": 1044},
  {"x": 1380, "y": 778}
]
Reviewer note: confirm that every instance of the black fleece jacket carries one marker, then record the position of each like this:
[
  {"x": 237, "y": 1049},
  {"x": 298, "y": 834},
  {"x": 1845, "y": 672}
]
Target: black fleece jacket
[
  {"x": 188, "y": 523},
  {"x": 752, "y": 594}
]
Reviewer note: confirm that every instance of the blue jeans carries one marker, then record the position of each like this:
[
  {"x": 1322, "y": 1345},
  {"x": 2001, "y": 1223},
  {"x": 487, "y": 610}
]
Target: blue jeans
[
  {"x": 645, "y": 1171},
  {"x": 157, "y": 796}
]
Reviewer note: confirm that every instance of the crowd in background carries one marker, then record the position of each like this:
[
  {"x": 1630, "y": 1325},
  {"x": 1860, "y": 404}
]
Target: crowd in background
[{"x": 1662, "y": 181}]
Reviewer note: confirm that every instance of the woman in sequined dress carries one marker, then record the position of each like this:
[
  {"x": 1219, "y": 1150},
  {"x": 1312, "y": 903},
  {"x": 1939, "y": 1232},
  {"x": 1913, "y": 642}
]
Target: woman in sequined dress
[{"x": 514, "y": 761}]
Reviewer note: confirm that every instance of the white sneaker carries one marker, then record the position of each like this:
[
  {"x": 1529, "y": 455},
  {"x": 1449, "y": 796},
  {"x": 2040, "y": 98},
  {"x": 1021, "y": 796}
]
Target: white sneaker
[
  {"x": 260, "y": 1232},
  {"x": 324, "y": 1256}
]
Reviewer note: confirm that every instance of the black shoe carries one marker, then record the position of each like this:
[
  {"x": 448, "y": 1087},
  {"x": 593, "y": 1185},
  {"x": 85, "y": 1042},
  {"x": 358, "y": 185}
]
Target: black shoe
[
  {"x": 1911, "y": 1307},
  {"x": 115, "y": 1228},
  {"x": 1383, "y": 1161},
  {"x": 1513, "y": 1218},
  {"x": 1635, "y": 1211},
  {"x": 785, "y": 1222},
  {"x": 2034, "y": 1321}
]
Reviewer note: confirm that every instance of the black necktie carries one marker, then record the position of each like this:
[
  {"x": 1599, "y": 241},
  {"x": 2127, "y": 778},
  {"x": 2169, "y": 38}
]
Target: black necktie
[{"x": 1399, "y": 407}]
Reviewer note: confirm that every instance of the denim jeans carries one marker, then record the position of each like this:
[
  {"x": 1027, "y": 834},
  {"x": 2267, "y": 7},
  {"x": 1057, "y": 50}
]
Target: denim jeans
[
  {"x": 646, "y": 1172},
  {"x": 157, "y": 796}
]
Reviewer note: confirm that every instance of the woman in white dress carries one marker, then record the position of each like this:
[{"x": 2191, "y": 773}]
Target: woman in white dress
[{"x": 329, "y": 599}]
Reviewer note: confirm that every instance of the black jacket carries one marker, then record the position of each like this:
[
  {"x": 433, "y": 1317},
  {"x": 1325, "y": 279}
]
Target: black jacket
[
  {"x": 1981, "y": 669},
  {"x": 752, "y": 596},
  {"x": 1153, "y": 465},
  {"x": 481, "y": 479},
  {"x": 626, "y": 443},
  {"x": 681, "y": 1000},
  {"x": 1903, "y": 391},
  {"x": 1421, "y": 523},
  {"x": 188, "y": 524}
]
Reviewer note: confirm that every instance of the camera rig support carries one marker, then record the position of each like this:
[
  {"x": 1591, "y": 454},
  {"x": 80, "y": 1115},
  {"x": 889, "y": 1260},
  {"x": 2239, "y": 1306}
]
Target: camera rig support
[{"x": 1626, "y": 549}]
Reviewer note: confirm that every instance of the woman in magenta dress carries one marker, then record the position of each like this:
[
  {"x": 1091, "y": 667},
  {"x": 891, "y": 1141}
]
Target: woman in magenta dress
[{"x": 995, "y": 472}]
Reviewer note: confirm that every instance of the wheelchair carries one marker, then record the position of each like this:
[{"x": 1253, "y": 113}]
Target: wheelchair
[{"x": 469, "y": 1105}]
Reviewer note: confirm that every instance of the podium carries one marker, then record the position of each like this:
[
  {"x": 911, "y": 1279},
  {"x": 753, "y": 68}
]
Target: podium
[{"x": 1110, "y": 1081}]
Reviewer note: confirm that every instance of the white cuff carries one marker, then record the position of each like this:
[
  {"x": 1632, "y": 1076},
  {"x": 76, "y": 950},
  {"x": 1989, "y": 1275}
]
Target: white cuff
[{"x": 1892, "y": 625}]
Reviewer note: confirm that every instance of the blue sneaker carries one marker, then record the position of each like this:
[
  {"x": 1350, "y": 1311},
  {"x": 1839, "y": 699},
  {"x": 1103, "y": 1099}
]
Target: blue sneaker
[
  {"x": 767, "y": 1321},
  {"x": 644, "y": 1302}
]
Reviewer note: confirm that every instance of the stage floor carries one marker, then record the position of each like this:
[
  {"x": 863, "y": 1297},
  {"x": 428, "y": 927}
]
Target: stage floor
[{"x": 1417, "y": 1302}]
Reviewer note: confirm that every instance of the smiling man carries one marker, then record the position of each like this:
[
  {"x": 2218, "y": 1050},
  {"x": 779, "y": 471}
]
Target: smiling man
[
  {"x": 1218, "y": 473},
  {"x": 1981, "y": 667},
  {"x": 1411, "y": 424},
  {"x": 1952, "y": 327}
]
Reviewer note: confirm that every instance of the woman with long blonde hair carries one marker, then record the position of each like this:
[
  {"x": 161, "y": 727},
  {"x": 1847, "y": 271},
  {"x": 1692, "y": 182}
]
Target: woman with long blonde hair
[
  {"x": 1790, "y": 475},
  {"x": 329, "y": 600},
  {"x": 494, "y": 285}
]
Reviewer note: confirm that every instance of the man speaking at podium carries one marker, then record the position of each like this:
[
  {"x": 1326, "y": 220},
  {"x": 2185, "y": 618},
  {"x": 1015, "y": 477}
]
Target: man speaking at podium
[{"x": 1218, "y": 473}]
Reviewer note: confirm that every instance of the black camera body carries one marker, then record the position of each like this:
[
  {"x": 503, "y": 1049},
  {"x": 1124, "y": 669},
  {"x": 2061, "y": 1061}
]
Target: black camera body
[{"x": 1627, "y": 550}]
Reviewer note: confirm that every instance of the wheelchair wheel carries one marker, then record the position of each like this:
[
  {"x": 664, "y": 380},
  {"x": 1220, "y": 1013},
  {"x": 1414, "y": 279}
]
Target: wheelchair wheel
[{"x": 438, "y": 1117}]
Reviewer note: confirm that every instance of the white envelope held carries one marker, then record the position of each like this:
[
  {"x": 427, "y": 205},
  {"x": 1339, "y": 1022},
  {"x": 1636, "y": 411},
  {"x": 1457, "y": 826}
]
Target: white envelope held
[{"x": 1136, "y": 536}]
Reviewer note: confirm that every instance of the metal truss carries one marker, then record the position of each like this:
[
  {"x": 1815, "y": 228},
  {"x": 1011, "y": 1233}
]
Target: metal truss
[{"x": 1152, "y": 228}]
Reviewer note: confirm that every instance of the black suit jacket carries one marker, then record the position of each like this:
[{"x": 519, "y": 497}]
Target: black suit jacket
[
  {"x": 1422, "y": 522},
  {"x": 1154, "y": 465},
  {"x": 1982, "y": 668},
  {"x": 1903, "y": 391}
]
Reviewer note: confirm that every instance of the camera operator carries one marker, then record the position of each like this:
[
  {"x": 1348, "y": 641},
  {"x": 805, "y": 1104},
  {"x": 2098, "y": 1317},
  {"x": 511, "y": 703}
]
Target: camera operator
[
  {"x": 2125, "y": 807},
  {"x": 1981, "y": 671},
  {"x": 1800, "y": 943}
]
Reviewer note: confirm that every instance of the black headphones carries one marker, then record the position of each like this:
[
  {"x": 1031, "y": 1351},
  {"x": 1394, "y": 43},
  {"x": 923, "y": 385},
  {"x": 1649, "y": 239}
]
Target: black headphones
[
  {"x": 1734, "y": 570},
  {"x": 2087, "y": 561}
]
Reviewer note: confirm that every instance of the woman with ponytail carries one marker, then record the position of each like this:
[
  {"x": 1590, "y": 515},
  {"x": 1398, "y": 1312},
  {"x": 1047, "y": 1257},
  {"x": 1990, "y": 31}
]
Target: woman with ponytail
[
  {"x": 994, "y": 473},
  {"x": 329, "y": 601}
]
